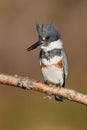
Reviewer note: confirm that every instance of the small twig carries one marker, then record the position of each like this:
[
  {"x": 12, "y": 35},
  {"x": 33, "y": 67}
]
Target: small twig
[{"x": 29, "y": 84}]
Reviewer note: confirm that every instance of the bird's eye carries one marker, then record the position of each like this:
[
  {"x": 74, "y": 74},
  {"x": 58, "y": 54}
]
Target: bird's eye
[{"x": 47, "y": 38}]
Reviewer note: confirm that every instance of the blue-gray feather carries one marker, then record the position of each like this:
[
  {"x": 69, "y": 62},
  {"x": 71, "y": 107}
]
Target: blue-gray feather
[
  {"x": 65, "y": 62},
  {"x": 50, "y": 30}
]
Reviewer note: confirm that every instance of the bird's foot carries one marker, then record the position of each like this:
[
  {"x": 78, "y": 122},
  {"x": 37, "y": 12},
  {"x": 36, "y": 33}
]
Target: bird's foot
[
  {"x": 47, "y": 97},
  {"x": 50, "y": 84}
]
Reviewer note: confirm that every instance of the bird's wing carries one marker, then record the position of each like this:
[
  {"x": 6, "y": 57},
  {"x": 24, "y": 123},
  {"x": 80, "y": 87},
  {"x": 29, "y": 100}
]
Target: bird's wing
[{"x": 65, "y": 62}]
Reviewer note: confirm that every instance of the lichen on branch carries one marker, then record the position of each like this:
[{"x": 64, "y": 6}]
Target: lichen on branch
[{"x": 30, "y": 84}]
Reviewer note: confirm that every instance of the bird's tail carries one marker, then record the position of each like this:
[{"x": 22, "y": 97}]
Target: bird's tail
[{"x": 57, "y": 98}]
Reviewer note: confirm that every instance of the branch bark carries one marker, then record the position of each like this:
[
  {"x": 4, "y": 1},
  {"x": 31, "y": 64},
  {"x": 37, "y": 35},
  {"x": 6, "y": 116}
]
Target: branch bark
[{"x": 29, "y": 84}]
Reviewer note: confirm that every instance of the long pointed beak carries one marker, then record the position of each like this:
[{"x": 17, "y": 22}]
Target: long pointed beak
[{"x": 35, "y": 45}]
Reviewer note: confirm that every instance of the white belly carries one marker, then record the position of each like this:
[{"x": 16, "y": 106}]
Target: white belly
[{"x": 53, "y": 74}]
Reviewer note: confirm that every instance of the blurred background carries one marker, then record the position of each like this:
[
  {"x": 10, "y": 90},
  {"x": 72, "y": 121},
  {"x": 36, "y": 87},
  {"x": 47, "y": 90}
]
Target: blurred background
[{"x": 24, "y": 110}]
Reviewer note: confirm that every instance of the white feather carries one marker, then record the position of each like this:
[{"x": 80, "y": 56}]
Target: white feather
[
  {"x": 56, "y": 44},
  {"x": 51, "y": 61},
  {"x": 53, "y": 74}
]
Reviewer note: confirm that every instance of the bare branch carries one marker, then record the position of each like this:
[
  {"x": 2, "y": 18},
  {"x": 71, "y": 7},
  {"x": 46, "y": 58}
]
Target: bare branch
[{"x": 29, "y": 84}]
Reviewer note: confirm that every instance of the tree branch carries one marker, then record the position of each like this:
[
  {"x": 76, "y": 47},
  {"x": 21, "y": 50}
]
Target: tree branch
[{"x": 29, "y": 84}]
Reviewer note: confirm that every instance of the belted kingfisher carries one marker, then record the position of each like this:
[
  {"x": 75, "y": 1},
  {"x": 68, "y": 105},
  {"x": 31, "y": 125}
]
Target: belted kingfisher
[{"x": 53, "y": 59}]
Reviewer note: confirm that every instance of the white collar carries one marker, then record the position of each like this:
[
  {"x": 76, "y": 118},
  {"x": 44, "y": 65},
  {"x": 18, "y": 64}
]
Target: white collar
[{"x": 56, "y": 44}]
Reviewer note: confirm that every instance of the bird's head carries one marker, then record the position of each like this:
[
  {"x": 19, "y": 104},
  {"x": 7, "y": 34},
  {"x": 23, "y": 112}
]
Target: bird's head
[{"x": 47, "y": 34}]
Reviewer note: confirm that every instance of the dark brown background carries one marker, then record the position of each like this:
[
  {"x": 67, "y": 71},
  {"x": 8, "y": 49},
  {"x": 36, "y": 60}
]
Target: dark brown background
[{"x": 22, "y": 110}]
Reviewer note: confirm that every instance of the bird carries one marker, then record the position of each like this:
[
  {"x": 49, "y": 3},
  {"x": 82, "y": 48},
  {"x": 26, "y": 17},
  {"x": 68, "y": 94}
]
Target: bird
[{"x": 52, "y": 57}]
